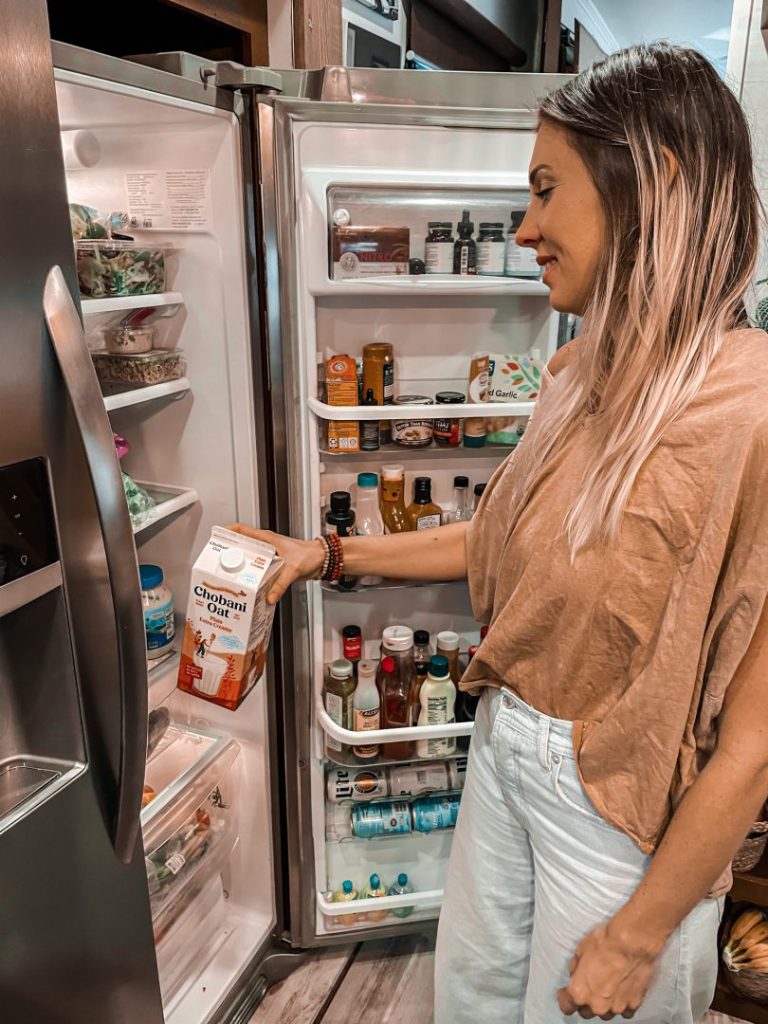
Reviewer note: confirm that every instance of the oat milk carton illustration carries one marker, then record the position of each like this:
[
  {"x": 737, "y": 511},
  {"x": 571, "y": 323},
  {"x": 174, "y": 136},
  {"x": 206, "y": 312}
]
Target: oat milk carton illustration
[{"x": 228, "y": 618}]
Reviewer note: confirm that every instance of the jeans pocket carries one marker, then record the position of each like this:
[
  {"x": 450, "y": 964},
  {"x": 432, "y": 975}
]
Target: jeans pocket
[{"x": 569, "y": 790}]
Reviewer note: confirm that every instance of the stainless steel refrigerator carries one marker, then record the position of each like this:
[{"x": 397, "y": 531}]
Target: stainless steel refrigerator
[{"x": 185, "y": 908}]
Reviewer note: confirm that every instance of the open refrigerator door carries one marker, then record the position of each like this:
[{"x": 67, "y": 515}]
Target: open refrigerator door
[
  {"x": 366, "y": 189},
  {"x": 167, "y": 318}
]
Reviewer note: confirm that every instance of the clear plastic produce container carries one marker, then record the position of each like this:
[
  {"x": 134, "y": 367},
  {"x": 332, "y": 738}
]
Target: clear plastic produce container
[
  {"x": 107, "y": 268},
  {"x": 139, "y": 370},
  {"x": 190, "y": 826}
]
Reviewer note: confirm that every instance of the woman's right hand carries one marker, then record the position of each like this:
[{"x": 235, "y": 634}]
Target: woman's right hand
[{"x": 302, "y": 559}]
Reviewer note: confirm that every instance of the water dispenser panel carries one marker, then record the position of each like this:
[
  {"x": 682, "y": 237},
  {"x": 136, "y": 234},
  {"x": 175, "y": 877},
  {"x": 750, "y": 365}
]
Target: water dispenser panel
[{"x": 27, "y": 527}]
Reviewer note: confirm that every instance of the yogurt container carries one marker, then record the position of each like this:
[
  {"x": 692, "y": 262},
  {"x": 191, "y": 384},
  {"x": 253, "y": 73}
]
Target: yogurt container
[{"x": 157, "y": 600}]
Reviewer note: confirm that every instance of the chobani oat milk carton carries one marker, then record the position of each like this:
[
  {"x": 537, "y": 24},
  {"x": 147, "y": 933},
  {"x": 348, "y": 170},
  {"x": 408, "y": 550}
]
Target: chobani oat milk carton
[{"x": 228, "y": 618}]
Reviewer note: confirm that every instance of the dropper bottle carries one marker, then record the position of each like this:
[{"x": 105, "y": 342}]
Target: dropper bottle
[{"x": 464, "y": 248}]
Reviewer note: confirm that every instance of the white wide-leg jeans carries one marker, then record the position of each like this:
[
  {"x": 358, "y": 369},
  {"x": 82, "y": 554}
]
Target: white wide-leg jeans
[{"x": 533, "y": 869}]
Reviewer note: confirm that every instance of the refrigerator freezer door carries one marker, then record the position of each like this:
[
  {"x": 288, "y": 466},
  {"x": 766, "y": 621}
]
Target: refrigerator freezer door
[{"x": 77, "y": 937}]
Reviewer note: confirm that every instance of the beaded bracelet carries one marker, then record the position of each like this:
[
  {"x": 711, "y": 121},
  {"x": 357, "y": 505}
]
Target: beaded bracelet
[{"x": 333, "y": 563}]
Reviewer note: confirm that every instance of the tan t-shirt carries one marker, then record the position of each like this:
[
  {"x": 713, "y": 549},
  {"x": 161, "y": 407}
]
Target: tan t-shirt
[{"x": 637, "y": 643}]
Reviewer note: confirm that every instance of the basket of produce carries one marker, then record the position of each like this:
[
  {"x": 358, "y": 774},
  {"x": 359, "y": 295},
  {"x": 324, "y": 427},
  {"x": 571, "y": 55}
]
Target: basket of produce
[
  {"x": 753, "y": 847},
  {"x": 745, "y": 954}
]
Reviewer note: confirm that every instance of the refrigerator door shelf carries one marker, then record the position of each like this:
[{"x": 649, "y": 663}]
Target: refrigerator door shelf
[
  {"x": 99, "y": 307},
  {"x": 170, "y": 500},
  {"x": 151, "y": 393},
  {"x": 412, "y": 733},
  {"x": 397, "y": 453},
  {"x": 413, "y": 412},
  {"x": 330, "y": 588},
  {"x": 427, "y": 285},
  {"x": 420, "y": 901},
  {"x": 162, "y": 675}
]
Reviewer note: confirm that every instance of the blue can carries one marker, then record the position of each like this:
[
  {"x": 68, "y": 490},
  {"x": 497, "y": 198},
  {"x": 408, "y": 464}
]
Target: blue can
[
  {"x": 385, "y": 819},
  {"x": 431, "y": 812}
]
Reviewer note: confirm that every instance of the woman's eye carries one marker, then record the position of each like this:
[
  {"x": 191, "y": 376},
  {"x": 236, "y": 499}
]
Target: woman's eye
[{"x": 543, "y": 193}]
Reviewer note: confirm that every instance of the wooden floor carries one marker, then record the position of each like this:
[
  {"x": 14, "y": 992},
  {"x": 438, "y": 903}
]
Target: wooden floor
[{"x": 386, "y": 982}]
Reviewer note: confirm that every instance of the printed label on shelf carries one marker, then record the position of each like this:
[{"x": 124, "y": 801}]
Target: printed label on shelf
[{"x": 177, "y": 200}]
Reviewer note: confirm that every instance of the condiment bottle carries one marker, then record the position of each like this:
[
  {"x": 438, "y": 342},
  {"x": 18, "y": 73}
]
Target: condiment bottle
[
  {"x": 479, "y": 491},
  {"x": 461, "y": 512},
  {"x": 421, "y": 657},
  {"x": 369, "y": 522},
  {"x": 519, "y": 260},
  {"x": 379, "y": 377},
  {"x": 340, "y": 519},
  {"x": 338, "y": 697},
  {"x": 367, "y": 709},
  {"x": 448, "y": 433},
  {"x": 395, "y": 706},
  {"x": 438, "y": 699},
  {"x": 438, "y": 248},
  {"x": 448, "y": 646},
  {"x": 423, "y": 513},
  {"x": 464, "y": 248},
  {"x": 369, "y": 429},
  {"x": 397, "y": 643},
  {"x": 352, "y": 643},
  {"x": 392, "y": 499},
  {"x": 490, "y": 249}
]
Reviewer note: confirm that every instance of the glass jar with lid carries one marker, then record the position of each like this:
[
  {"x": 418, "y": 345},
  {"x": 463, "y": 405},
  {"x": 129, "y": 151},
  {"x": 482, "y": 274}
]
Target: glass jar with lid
[
  {"x": 490, "y": 249},
  {"x": 438, "y": 247},
  {"x": 449, "y": 433}
]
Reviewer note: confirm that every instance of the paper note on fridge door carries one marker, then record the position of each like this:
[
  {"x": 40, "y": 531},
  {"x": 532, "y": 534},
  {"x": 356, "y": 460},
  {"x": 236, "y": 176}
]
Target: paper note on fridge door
[{"x": 228, "y": 619}]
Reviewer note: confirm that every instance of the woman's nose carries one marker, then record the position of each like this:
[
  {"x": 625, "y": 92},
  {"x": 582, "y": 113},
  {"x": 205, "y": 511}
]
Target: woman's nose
[{"x": 528, "y": 234}]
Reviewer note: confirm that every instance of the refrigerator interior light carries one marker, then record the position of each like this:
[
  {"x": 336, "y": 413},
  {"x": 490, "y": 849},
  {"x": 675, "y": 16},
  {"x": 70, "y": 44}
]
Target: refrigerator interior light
[{"x": 81, "y": 149}]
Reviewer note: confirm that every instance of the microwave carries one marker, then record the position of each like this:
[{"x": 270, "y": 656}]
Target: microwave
[{"x": 374, "y": 33}]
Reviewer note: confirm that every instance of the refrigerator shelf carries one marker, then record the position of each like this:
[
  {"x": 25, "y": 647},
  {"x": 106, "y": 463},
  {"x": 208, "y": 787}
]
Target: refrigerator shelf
[
  {"x": 330, "y": 588},
  {"x": 152, "y": 393},
  {"x": 495, "y": 410},
  {"x": 170, "y": 500},
  {"x": 418, "y": 285},
  {"x": 397, "y": 453},
  {"x": 161, "y": 679},
  {"x": 94, "y": 307},
  {"x": 420, "y": 900},
  {"x": 373, "y": 736}
]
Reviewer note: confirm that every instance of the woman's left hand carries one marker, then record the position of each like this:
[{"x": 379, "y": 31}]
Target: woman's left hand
[{"x": 609, "y": 977}]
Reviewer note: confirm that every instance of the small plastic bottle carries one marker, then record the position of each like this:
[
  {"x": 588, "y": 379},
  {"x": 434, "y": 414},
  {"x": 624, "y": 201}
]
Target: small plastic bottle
[
  {"x": 465, "y": 247},
  {"x": 367, "y": 709},
  {"x": 400, "y": 888},
  {"x": 374, "y": 890},
  {"x": 346, "y": 894},
  {"x": 369, "y": 522},
  {"x": 460, "y": 512},
  {"x": 157, "y": 600},
  {"x": 437, "y": 699}
]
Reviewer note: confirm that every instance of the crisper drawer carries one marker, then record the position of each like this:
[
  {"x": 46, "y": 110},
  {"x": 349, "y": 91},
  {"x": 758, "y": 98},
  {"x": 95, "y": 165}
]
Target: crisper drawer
[
  {"x": 190, "y": 827},
  {"x": 181, "y": 946}
]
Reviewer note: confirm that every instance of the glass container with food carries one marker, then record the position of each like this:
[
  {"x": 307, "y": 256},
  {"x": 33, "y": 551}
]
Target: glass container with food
[
  {"x": 151, "y": 368},
  {"x": 107, "y": 268}
]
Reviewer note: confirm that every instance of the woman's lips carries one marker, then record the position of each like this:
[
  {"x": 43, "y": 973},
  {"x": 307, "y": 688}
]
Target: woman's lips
[{"x": 549, "y": 263}]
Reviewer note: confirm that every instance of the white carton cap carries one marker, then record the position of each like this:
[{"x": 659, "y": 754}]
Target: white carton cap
[{"x": 232, "y": 559}]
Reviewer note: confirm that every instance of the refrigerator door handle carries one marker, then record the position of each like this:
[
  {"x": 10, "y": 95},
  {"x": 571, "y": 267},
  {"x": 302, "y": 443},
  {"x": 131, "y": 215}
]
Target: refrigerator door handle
[{"x": 96, "y": 433}]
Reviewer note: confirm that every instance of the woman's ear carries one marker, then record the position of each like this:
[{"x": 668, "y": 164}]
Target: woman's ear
[{"x": 671, "y": 166}]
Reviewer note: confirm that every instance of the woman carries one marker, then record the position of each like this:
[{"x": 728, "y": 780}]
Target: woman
[{"x": 621, "y": 559}]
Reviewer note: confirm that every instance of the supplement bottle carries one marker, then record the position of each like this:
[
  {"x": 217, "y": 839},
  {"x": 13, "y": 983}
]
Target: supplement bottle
[{"x": 157, "y": 601}]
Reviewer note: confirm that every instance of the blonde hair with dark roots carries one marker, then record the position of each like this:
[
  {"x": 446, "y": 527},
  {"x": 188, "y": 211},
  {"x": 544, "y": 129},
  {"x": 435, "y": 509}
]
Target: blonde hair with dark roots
[{"x": 680, "y": 252}]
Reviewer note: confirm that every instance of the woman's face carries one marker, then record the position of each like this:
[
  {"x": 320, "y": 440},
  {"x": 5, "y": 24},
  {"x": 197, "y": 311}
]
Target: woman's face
[{"x": 565, "y": 222}]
